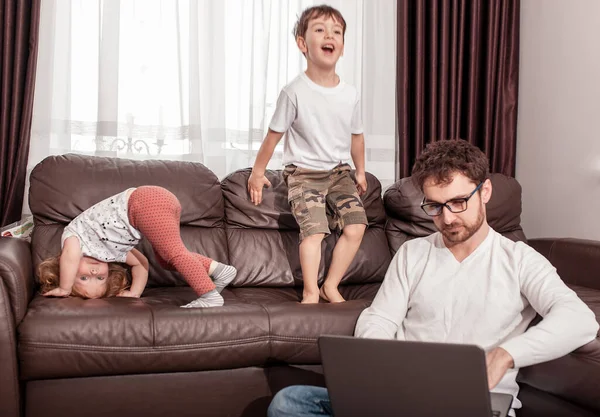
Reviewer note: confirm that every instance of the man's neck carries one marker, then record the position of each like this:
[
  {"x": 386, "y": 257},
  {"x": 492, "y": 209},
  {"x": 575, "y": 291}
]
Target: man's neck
[
  {"x": 325, "y": 77},
  {"x": 462, "y": 250}
]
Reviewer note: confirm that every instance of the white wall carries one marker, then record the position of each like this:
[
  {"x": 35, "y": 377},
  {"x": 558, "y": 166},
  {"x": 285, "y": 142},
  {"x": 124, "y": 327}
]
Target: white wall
[{"x": 558, "y": 134}]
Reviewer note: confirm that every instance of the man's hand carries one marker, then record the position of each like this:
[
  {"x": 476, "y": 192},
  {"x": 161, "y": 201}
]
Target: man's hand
[
  {"x": 255, "y": 187},
  {"x": 498, "y": 361},
  {"x": 57, "y": 292},
  {"x": 127, "y": 293},
  {"x": 361, "y": 183}
]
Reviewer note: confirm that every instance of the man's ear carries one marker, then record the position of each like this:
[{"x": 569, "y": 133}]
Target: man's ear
[
  {"x": 301, "y": 42},
  {"x": 486, "y": 191}
]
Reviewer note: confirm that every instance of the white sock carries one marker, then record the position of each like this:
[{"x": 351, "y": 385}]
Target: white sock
[
  {"x": 223, "y": 275},
  {"x": 210, "y": 299}
]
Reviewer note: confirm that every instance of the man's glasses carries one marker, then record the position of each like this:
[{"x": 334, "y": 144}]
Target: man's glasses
[{"x": 456, "y": 205}]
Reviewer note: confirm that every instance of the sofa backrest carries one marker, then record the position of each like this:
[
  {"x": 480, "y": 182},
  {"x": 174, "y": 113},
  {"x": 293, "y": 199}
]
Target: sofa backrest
[
  {"x": 63, "y": 186},
  {"x": 406, "y": 219},
  {"x": 264, "y": 239}
]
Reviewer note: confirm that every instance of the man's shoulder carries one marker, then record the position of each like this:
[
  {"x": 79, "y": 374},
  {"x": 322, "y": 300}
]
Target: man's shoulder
[
  {"x": 509, "y": 244},
  {"x": 517, "y": 250},
  {"x": 420, "y": 243}
]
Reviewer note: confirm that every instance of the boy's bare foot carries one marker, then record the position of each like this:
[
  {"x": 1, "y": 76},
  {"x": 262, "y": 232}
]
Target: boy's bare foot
[
  {"x": 310, "y": 298},
  {"x": 331, "y": 294}
]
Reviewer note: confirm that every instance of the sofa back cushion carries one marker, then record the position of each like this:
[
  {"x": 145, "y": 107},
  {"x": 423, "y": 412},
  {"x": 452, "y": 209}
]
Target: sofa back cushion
[
  {"x": 64, "y": 186},
  {"x": 264, "y": 239},
  {"x": 406, "y": 219}
]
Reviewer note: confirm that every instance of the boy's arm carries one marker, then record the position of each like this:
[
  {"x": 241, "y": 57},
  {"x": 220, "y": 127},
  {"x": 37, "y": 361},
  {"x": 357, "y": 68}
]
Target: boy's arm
[
  {"x": 257, "y": 179},
  {"x": 68, "y": 266},
  {"x": 357, "y": 150},
  {"x": 139, "y": 273}
]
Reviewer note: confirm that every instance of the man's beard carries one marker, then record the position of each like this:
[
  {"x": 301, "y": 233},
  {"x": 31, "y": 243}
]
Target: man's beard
[{"x": 454, "y": 237}]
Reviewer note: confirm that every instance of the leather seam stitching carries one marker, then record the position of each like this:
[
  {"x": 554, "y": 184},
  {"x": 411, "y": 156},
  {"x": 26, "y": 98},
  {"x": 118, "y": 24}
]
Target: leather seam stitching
[
  {"x": 42, "y": 345},
  {"x": 294, "y": 338}
]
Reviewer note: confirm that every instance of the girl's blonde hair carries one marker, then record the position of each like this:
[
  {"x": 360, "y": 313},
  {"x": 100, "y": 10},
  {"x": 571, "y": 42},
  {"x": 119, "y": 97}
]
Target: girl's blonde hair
[{"x": 49, "y": 275}]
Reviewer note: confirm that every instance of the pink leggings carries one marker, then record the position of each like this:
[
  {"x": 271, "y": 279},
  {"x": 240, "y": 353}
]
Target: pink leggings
[{"x": 156, "y": 212}]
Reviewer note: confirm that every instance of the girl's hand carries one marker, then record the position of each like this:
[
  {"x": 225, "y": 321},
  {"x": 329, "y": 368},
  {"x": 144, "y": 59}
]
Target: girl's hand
[
  {"x": 57, "y": 292},
  {"x": 127, "y": 293}
]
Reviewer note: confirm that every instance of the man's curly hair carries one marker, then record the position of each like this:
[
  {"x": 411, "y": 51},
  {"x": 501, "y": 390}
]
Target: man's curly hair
[{"x": 442, "y": 159}]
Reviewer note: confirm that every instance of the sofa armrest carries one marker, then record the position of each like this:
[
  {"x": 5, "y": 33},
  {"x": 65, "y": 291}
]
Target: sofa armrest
[
  {"x": 16, "y": 290},
  {"x": 576, "y": 260},
  {"x": 16, "y": 272},
  {"x": 574, "y": 377}
]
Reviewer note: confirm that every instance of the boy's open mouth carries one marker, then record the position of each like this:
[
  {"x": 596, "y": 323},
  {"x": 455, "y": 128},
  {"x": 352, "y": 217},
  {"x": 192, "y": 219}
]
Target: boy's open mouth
[{"x": 328, "y": 49}]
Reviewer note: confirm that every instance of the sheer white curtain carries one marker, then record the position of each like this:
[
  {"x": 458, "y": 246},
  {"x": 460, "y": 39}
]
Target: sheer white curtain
[{"x": 195, "y": 80}]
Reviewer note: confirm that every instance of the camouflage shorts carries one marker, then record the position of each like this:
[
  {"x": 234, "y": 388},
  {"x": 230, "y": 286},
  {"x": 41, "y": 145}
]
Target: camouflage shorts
[{"x": 323, "y": 200}]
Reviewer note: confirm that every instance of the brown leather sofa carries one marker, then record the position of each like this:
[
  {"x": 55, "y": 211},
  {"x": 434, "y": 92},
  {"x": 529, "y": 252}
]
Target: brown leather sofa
[{"x": 148, "y": 357}]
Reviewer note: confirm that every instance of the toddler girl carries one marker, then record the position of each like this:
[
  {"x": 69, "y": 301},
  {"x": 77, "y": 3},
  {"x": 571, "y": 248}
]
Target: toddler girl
[{"x": 108, "y": 232}]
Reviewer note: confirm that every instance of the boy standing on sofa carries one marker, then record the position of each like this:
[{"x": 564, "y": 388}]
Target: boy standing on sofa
[{"x": 321, "y": 116}]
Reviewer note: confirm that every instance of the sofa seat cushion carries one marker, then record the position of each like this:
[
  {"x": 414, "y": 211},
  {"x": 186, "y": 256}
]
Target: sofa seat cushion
[
  {"x": 295, "y": 328},
  {"x": 71, "y": 337},
  {"x": 61, "y": 338}
]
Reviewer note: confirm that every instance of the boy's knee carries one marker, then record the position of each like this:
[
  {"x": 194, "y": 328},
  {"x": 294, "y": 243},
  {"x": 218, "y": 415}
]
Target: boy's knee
[
  {"x": 354, "y": 231},
  {"x": 313, "y": 239}
]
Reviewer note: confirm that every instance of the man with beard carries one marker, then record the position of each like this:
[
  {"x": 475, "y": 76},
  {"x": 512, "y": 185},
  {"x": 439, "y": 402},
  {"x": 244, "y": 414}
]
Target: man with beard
[{"x": 465, "y": 284}]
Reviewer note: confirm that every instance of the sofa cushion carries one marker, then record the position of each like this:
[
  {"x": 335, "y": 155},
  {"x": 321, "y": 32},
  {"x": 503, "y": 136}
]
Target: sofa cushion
[
  {"x": 63, "y": 186},
  {"x": 71, "y": 337},
  {"x": 295, "y": 328},
  {"x": 270, "y": 228},
  {"x": 406, "y": 219}
]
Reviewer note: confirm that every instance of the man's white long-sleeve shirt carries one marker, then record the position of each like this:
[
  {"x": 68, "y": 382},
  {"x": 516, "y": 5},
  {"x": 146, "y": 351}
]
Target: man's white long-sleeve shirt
[{"x": 488, "y": 299}]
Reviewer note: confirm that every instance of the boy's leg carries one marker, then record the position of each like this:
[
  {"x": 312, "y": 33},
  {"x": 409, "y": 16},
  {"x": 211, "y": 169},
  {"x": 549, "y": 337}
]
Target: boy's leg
[
  {"x": 349, "y": 212},
  {"x": 343, "y": 254},
  {"x": 306, "y": 194},
  {"x": 300, "y": 401},
  {"x": 155, "y": 212},
  {"x": 310, "y": 259}
]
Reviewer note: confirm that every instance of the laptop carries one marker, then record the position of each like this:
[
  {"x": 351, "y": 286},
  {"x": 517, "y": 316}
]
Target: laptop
[{"x": 370, "y": 377}]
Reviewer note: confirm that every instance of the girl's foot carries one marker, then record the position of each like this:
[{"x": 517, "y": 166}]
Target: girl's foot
[
  {"x": 210, "y": 299},
  {"x": 221, "y": 274}
]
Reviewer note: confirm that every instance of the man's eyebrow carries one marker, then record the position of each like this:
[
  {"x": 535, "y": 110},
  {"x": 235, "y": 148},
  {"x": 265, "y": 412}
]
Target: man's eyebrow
[{"x": 451, "y": 199}]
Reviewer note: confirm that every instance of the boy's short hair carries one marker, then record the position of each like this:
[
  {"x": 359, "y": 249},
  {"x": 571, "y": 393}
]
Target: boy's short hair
[
  {"x": 444, "y": 158},
  {"x": 315, "y": 12}
]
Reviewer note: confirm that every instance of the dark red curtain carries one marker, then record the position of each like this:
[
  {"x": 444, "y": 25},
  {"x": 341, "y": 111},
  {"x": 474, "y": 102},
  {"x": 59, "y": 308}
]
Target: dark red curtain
[
  {"x": 19, "y": 23},
  {"x": 458, "y": 77}
]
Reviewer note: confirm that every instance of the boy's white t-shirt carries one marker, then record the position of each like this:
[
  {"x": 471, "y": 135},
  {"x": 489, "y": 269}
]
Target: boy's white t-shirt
[
  {"x": 104, "y": 231},
  {"x": 318, "y": 123}
]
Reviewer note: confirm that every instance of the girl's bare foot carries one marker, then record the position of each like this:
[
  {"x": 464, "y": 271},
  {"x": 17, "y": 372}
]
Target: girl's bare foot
[{"x": 331, "y": 294}]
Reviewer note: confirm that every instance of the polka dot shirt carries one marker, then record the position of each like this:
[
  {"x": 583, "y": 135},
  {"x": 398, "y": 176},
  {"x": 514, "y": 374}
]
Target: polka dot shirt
[{"x": 104, "y": 231}]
